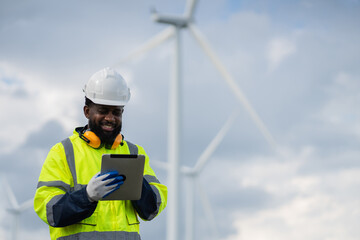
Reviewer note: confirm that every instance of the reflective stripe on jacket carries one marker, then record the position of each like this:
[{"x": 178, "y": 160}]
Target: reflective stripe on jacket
[{"x": 61, "y": 199}]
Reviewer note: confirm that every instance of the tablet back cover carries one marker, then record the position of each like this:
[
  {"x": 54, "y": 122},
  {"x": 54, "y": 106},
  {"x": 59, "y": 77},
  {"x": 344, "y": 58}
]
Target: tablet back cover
[{"x": 132, "y": 167}]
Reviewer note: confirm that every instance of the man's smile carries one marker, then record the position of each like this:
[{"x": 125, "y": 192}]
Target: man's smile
[{"x": 108, "y": 127}]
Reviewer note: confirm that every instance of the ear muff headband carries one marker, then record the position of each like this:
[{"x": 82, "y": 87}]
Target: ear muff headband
[{"x": 93, "y": 140}]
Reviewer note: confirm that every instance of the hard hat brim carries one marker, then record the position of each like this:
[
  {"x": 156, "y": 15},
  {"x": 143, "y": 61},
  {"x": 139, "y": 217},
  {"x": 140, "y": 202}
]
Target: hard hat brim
[{"x": 108, "y": 102}]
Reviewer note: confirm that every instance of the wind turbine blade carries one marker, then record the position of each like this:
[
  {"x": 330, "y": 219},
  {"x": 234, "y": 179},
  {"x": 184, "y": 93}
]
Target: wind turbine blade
[
  {"x": 10, "y": 194},
  {"x": 159, "y": 164},
  {"x": 232, "y": 85},
  {"x": 28, "y": 204},
  {"x": 187, "y": 171},
  {"x": 147, "y": 46},
  {"x": 190, "y": 9},
  {"x": 207, "y": 209},
  {"x": 205, "y": 156}
]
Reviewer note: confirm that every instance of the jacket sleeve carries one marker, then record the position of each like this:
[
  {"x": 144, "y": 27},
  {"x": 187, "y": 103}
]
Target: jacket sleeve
[
  {"x": 56, "y": 202},
  {"x": 153, "y": 196}
]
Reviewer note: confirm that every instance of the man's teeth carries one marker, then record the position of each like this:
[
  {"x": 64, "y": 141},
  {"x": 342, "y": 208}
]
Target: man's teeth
[{"x": 108, "y": 126}]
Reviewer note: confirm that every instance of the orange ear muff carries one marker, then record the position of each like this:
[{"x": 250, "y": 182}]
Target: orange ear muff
[
  {"x": 93, "y": 140},
  {"x": 117, "y": 141}
]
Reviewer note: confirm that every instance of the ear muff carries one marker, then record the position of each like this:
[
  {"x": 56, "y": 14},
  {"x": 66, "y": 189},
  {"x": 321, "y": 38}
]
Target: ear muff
[
  {"x": 117, "y": 141},
  {"x": 91, "y": 139},
  {"x": 94, "y": 141}
]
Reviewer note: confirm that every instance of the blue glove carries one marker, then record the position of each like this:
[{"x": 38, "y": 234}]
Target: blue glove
[{"x": 103, "y": 184}]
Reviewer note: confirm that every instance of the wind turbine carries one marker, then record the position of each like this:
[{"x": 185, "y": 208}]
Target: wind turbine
[
  {"x": 193, "y": 174},
  {"x": 178, "y": 23},
  {"x": 15, "y": 210}
]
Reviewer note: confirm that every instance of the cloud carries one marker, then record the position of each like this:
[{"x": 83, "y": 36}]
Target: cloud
[
  {"x": 296, "y": 200},
  {"x": 297, "y": 62},
  {"x": 278, "y": 50},
  {"x": 27, "y": 160},
  {"x": 343, "y": 96},
  {"x": 312, "y": 217},
  {"x": 21, "y": 168},
  {"x": 28, "y": 100}
]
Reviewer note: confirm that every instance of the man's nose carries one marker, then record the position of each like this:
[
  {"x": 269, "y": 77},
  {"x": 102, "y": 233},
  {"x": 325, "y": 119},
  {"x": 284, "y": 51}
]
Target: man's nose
[{"x": 109, "y": 116}]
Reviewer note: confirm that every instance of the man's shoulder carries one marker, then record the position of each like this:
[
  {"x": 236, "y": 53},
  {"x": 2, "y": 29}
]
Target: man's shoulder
[
  {"x": 134, "y": 147},
  {"x": 73, "y": 138}
]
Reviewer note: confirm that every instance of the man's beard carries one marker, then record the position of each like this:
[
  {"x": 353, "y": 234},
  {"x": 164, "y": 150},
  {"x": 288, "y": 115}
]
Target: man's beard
[{"x": 106, "y": 138}]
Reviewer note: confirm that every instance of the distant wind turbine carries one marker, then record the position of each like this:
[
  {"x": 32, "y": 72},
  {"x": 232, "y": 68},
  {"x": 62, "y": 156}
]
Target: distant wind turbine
[
  {"x": 194, "y": 184},
  {"x": 15, "y": 210},
  {"x": 178, "y": 23}
]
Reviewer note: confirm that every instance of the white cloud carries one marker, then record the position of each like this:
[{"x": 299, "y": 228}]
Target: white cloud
[
  {"x": 342, "y": 108},
  {"x": 279, "y": 49},
  {"x": 305, "y": 206},
  {"x": 28, "y": 101},
  {"x": 307, "y": 217}
]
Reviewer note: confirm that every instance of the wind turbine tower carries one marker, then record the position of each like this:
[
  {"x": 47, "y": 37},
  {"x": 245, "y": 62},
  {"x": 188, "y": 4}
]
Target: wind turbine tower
[{"x": 174, "y": 118}]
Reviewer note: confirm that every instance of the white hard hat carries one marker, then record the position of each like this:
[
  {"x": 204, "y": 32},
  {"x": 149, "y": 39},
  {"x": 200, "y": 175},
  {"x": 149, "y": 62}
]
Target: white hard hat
[{"x": 107, "y": 87}]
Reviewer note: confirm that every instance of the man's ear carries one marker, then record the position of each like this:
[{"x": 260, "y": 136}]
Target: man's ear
[{"x": 87, "y": 111}]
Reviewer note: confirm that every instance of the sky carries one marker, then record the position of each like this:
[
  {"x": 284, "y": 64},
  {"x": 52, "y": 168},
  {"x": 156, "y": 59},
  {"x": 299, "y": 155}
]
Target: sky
[{"x": 297, "y": 63}]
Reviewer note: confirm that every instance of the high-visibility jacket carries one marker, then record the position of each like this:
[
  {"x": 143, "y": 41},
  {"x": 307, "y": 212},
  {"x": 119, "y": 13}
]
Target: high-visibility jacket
[{"x": 61, "y": 200}]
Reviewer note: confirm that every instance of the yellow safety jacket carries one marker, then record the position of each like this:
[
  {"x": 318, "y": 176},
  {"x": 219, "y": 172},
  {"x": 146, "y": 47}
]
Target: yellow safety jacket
[{"x": 62, "y": 203}]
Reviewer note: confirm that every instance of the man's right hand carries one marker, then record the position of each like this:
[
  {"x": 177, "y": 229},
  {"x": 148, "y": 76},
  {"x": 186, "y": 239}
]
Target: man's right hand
[{"x": 101, "y": 185}]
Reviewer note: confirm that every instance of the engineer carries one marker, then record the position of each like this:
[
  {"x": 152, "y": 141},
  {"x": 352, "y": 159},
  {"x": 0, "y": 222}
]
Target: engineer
[{"x": 70, "y": 187}]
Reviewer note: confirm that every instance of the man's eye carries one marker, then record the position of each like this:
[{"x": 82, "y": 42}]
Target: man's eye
[
  {"x": 117, "y": 113},
  {"x": 102, "y": 111}
]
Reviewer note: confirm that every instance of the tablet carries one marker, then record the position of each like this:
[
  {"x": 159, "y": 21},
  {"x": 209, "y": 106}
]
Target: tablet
[{"x": 132, "y": 167}]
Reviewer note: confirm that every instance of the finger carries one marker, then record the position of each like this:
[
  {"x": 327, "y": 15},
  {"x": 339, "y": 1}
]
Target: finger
[
  {"x": 112, "y": 189},
  {"x": 111, "y": 174},
  {"x": 117, "y": 180},
  {"x": 101, "y": 177},
  {"x": 107, "y": 182}
]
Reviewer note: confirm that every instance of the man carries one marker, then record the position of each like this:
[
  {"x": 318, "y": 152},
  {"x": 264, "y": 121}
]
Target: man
[{"x": 70, "y": 188}]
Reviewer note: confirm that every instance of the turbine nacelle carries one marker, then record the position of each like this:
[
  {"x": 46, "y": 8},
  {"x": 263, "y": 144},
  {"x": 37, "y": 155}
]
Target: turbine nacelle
[{"x": 178, "y": 21}]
